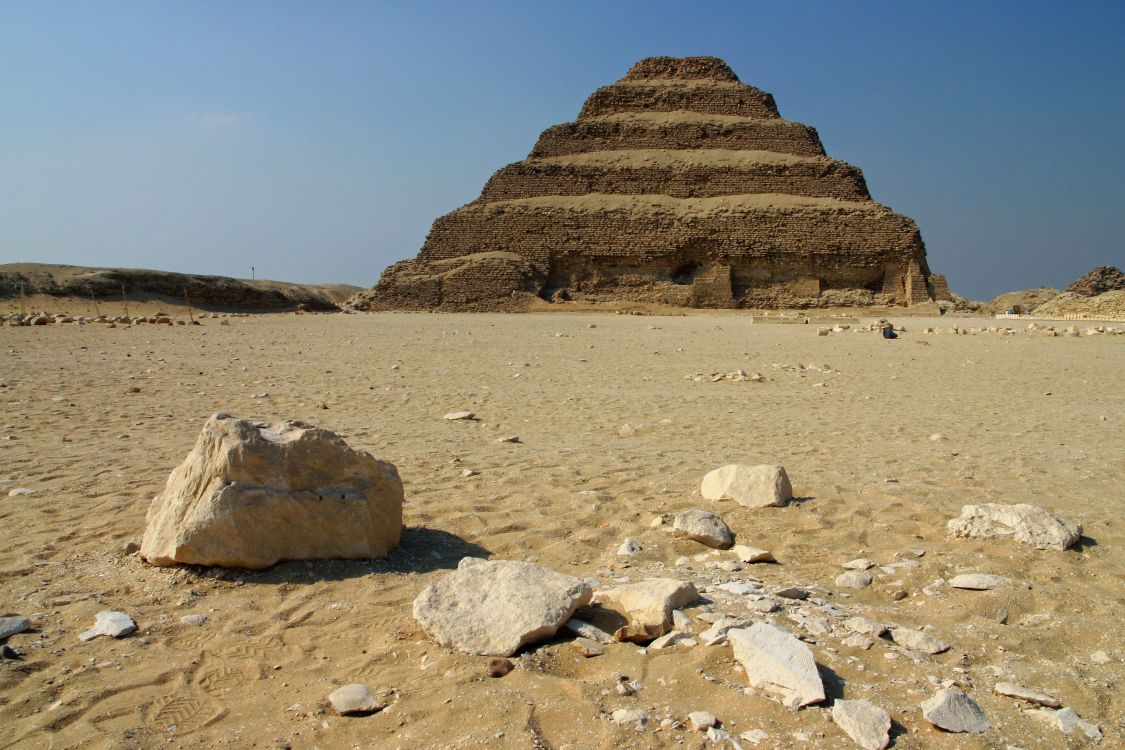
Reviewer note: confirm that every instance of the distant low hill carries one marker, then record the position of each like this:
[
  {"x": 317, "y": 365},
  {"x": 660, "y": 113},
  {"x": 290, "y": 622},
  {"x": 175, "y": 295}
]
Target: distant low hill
[{"x": 217, "y": 292}]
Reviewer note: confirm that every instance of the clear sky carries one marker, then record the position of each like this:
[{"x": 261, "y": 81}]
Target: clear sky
[{"x": 317, "y": 141}]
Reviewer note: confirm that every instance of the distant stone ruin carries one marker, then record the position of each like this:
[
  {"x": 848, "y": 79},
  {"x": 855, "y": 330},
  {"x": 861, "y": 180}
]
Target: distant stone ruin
[
  {"x": 1099, "y": 281},
  {"x": 678, "y": 185}
]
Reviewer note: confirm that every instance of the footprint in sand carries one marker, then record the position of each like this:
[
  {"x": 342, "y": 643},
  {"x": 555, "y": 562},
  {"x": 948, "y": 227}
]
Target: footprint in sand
[{"x": 183, "y": 712}]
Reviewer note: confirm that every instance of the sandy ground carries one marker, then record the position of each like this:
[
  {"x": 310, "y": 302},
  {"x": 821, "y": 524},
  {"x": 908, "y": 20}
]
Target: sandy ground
[{"x": 1020, "y": 419}]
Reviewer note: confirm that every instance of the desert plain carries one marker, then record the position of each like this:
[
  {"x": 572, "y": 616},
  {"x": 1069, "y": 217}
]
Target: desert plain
[{"x": 884, "y": 442}]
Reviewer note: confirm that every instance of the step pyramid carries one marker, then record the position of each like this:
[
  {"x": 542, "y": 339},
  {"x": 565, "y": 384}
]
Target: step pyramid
[{"x": 678, "y": 184}]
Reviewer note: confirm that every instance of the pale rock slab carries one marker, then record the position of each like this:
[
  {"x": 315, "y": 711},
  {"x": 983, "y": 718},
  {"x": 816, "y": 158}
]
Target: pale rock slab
[
  {"x": 868, "y": 725},
  {"x": 916, "y": 640},
  {"x": 858, "y": 641},
  {"x": 701, "y": 721},
  {"x": 864, "y": 626},
  {"x": 647, "y": 605},
  {"x": 854, "y": 579},
  {"x": 110, "y": 623},
  {"x": 775, "y": 661},
  {"x": 629, "y": 547},
  {"x": 10, "y": 626},
  {"x": 354, "y": 699},
  {"x": 955, "y": 711},
  {"x": 587, "y": 647},
  {"x": 493, "y": 607},
  {"x": 1025, "y": 523},
  {"x": 634, "y": 716},
  {"x": 1066, "y": 720},
  {"x": 250, "y": 494},
  {"x": 752, "y": 554},
  {"x": 1013, "y": 690},
  {"x": 978, "y": 581},
  {"x": 704, "y": 527},
  {"x": 454, "y": 416},
  {"x": 717, "y": 634},
  {"x": 586, "y": 630},
  {"x": 861, "y": 563},
  {"x": 675, "y": 638},
  {"x": 749, "y": 486}
]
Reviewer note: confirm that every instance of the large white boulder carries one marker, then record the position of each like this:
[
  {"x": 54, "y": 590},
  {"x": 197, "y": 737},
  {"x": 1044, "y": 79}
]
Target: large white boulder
[
  {"x": 250, "y": 494},
  {"x": 1029, "y": 524},
  {"x": 647, "y": 606},
  {"x": 777, "y": 662},
  {"x": 749, "y": 486},
  {"x": 493, "y": 607},
  {"x": 868, "y": 725}
]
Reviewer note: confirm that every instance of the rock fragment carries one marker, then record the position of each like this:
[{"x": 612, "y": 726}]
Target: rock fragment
[
  {"x": 854, "y": 579},
  {"x": 749, "y": 486},
  {"x": 864, "y": 626},
  {"x": 634, "y": 716},
  {"x": 978, "y": 581},
  {"x": 916, "y": 640},
  {"x": 1025, "y": 523},
  {"x": 775, "y": 661},
  {"x": 587, "y": 647},
  {"x": 701, "y": 721},
  {"x": 647, "y": 606},
  {"x": 194, "y": 619},
  {"x": 629, "y": 547},
  {"x": 675, "y": 638},
  {"x": 453, "y": 416},
  {"x": 860, "y": 564},
  {"x": 498, "y": 666},
  {"x": 113, "y": 624},
  {"x": 1067, "y": 720},
  {"x": 752, "y": 554},
  {"x": 868, "y": 725},
  {"x": 355, "y": 700},
  {"x": 1012, "y": 690},
  {"x": 493, "y": 607},
  {"x": 586, "y": 630},
  {"x": 703, "y": 527},
  {"x": 955, "y": 711},
  {"x": 10, "y": 626}
]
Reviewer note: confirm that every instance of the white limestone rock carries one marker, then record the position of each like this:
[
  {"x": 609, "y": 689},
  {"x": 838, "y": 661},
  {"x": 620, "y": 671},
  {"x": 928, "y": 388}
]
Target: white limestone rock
[
  {"x": 978, "y": 581},
  {"x": 1025, "y": 523},
  {"x": 955, "y": 711},
  {"x": 355, "y": 700},
  {"x": 752, "y": 554},
  {"x": 493, "y": 607},
  {"x": 1013, "y": 690},
  {"x": 864, "y": 626},
  {"x": 775, "y": 661},
  {"x": 749, "y": 486},
  {"x": 454, "y": 416},
  {"x": 916, "y": 640},
  {"x": 635, "y": 717},
  {"x": 250, "y": 494},
  {"x": 110, "y": 623},
  {"x": 586, "y": 630},
  {"x": 701, "y": 721},
  {"x": 854, "y": 579},
  {"x": 704, "y": 527},
  {"x": 868, "y": 725},
  {"x": 647, "y": 606},
  {"x": 1067, "y": 720}
]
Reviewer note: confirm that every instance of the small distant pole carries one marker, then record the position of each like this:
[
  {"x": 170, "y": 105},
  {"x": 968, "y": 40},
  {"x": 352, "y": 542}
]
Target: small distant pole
[
  {"x": 252, "y": 273},
  {"x": 188, "y": 301},
  {"x": 23, "y": 302},
  {"x": 124, "y": 299},
  {"x": 97, "y": 310}
]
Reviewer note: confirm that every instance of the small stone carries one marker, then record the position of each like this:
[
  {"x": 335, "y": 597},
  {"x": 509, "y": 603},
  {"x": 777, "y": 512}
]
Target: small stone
[
  {"x": 865, "y": 626},
  {"x": 682, "y": 562},
  {"x": 701, "y": 721},
  {"x": 9, "y": 653},
  {"x": 752, "y": 554},
  {"x": 868, "y": 725},
  {"x": 647, "y": 605},
  {"x": 456, "y": 415},
  {"x": 749, "y": 486},
  {"x": 1002, "y": 615},
  {"x": 739, "y": 588},
  {"x": 1026, "y": 694},
  {"x": 1100, "y": 657},
  {"x": 499, "y": 666},
  {"x": 978, "y": 581},
  {"x": 858, "y": 641},
  {"x": 955, "y": 711},
  {"x": 10, "y": 626},
  {"x": 775, "y": 661},
  {"x": 792, "y": 592},
  {"x": 754, "y": 736},
  {"x": 854, "y": 579},
  {"x": 916, "y": 640},
  {"x": 629, "y": 547},
  {"x": 899, "y": 595},
  {"x": 860, "y": 564},
  {"x": 469, "y": 473},
  {"x": 675, "y": 638},
  {"x": 1066, "y": 720},
  {"x": 354, "y": 700},
  {"x": 717, "y": 634},
  {"x": 704, "y": 527},
  {"x": 113, "y": 624},
  {"x": 634, "y": 716},
  {"x": 130, "y": 548},
  {"x": 587, "y": 647},
  {"x": 1025, "y": 523},
  {"x": 20, "y": 491},
  {"x": 508, "y": 439},
  {"x": 586, "y": 630},
  {"x": 680, "y": 620},
  {"x": 194, "y": 619}
]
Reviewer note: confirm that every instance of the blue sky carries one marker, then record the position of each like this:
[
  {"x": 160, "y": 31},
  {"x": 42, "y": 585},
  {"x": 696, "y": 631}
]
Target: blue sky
[{"x": 318, "y": 141}]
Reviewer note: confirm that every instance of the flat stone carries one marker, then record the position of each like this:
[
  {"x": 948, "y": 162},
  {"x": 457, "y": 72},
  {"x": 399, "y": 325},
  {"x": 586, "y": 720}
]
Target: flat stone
[
  {"x": 647, "y": 605},
  {"x": 775, "y": 661},
  {"x": 858, "y": 641},
  {"x": 631, "y": 716},
  {"x": 792, "y": 592},
  {"x": 955, "y": 711},
  {"x": 508, "y": 439},
  {"x": 917, "y": 640},
  {"x": 740, "y": 588},
  {"x": 865, "y": 626},
  {"x": 355, "y": 700},
  {"x": 10, "y": 626},
  {"x": 978, "y": 581},
  {"x": 754, "y": 736},
  {"x": 113, "y": 624},
  {"x": 1013, "y": 690},
  {"x": 860, "y": 564},
  {"x": 493, "y": 607},
  {"x": 752, "y": 554},
  {"x": 586, "y": 630},
  {"x": 1067, "y": 720},
  {"x": 704, "y": 527},
  {"x": 250, "y": 494},
  {"x": 854, "y": 579},
  {"x": 456, "y": 415},
  {"x": 193, "y": 619},
  {"x": 749, "y": 486},
  {"x": 21, "y": 491},
  {"x": 717, "y": 634},
  {"x": 587, "y": 647},
  {"x": 629, "y": 547},
  {"x": 701, "y": 721},
  {"x": 868, "y": 725},
  {"x": 1024, "y": 523},
  {"x": 675, "y": 638}
]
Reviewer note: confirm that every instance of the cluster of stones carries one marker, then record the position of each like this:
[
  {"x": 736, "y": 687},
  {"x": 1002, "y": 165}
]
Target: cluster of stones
[
  {"x": 677, "y": 184},
  {"x": 44, "y": 318},
  {"x": 1072, "y": 331}
]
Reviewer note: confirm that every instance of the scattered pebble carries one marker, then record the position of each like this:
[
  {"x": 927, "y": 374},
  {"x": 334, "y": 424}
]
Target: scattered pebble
[
  {"x": 499, "y": 666},
  {"x": 955, "y": 711},
  {"x": 113, "y": 624},
  {"x": 355, "y": 700}
]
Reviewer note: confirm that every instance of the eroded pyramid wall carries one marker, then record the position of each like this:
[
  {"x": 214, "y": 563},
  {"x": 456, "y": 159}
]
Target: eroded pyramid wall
[{"x": 677, "y": 184}]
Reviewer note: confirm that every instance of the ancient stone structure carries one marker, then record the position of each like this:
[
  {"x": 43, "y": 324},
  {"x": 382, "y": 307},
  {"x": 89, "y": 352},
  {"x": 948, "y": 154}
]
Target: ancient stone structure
[
  {"x": 680, "y": 185},
  {"x": 1099, "y": 281}
]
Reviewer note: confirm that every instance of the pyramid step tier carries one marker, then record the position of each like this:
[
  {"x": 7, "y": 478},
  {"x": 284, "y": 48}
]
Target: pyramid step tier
[
  {"x": 708, "y": 98},
  {"x": 678, "y": 131},
  {"x": 680, "y": 174}
]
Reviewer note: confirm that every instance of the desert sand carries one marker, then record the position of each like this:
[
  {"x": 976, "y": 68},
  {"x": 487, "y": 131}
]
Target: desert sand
[{"x": 884, "y": 442}]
